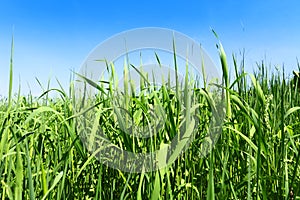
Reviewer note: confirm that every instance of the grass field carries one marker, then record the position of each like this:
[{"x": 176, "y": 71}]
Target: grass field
[{"x": 256, "y": 156}]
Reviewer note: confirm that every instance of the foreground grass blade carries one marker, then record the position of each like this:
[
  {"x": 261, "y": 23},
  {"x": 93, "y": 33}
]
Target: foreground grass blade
[
  {"x": 30, "y": 179},
  {"x": 55, "y": 182}
]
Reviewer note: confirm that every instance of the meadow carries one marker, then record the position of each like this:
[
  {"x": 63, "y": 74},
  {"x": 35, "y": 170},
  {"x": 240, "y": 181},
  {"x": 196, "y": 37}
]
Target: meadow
[{"x": 256, "y": 156}]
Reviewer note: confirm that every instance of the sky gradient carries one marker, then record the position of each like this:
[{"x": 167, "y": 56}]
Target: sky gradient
[{"x": 52, "y": 38}]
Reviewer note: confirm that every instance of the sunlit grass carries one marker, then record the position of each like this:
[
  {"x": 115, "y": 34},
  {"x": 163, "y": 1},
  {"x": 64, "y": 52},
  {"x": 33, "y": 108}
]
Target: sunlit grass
[{"x": 256, "y": 157}]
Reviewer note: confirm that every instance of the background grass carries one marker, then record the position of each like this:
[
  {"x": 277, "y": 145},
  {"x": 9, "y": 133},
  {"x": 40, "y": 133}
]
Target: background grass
[{"x": 256, "y": 156}]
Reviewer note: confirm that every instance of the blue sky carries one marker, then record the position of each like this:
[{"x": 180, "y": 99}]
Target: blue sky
[{"x": 54, "y": 37}]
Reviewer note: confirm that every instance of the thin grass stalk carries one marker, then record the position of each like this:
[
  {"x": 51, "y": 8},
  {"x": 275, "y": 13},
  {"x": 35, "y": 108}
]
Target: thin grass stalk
[{"x": 11, "y": 73}]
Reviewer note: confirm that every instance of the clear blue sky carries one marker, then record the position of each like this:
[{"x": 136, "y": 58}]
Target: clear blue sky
[{"x": 53, "y": 37}]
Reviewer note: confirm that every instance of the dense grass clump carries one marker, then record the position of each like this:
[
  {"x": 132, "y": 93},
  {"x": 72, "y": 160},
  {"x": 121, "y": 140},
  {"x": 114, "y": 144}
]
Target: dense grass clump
[{"x": 256, "y": 156}]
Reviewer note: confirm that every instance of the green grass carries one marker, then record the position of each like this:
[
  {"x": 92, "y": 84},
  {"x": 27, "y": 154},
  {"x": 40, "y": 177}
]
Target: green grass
[{"x": 256, "y": 156}]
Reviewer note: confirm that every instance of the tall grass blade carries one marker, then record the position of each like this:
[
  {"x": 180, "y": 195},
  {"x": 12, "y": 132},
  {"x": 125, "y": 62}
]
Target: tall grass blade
[{"x": 11, "y": 73}]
